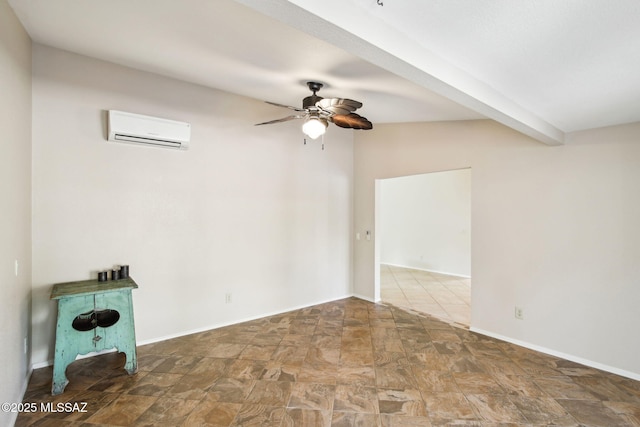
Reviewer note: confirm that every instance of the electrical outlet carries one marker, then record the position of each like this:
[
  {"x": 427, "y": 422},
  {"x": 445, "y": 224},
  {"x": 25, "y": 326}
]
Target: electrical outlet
[
  {"x": 519, "y": 313},
  {"x": 227, "y": 298},
  {"x": 16, "y": 268}
]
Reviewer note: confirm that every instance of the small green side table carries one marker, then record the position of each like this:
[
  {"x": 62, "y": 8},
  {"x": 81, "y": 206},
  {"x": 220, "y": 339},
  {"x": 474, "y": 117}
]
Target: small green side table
[{"x": 93, "y": 316}]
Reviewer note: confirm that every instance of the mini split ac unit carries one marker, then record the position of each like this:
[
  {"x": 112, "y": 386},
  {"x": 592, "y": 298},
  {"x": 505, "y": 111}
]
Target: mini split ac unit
[{"x": 146, "y": 130}]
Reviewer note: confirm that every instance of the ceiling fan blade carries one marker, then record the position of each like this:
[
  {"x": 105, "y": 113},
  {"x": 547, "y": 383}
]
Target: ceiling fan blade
[
  {"x": 352, "y": 121},
  {"x": 333, "y": 110},
  {"x": 338, "y": 105},
  {"x": 285, "y": 106},
  {"x": 284, "y": 119}
]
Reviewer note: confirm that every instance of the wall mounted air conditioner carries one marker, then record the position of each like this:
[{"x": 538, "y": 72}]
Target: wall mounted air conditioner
[{"x": 146, "y": 130}]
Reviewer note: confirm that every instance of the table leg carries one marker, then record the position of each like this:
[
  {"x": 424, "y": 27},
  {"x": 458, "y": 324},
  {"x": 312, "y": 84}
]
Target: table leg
[
  {"x": 131, "y": 364},
  {"x": 61, "y": 361}
]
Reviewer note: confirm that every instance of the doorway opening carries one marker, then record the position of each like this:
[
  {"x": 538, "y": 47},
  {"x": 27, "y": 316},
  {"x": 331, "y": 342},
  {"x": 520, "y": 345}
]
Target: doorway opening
[{"x": 423, "y": 244}]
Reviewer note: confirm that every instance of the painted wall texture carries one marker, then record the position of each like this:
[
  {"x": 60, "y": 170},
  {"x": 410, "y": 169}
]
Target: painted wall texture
[
  {"x": 555, "y": 230},
  {"x": 425, "y": 222},
  {"x": 247, "y": 210},
  {"x": 15, "y": 222},
  {"x": 254, "y": 213}
]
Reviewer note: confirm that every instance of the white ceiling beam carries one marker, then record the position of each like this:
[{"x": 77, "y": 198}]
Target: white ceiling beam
[{"x": 352, "y": 28}]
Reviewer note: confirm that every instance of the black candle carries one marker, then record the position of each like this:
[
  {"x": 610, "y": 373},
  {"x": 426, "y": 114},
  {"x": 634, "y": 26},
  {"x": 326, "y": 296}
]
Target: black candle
[
  {"x": 102, "y": 276},
  {"x": 124, "y": 271},
  {"x": 115, "y": 274}
]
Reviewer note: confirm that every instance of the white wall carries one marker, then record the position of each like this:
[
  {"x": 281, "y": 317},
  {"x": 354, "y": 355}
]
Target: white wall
[
  {"x": 555, "y": 230},
  {"x": 15, "y": 193},
  {"x": 246, "y": 210},
  {"x": 425, "y": 222}
]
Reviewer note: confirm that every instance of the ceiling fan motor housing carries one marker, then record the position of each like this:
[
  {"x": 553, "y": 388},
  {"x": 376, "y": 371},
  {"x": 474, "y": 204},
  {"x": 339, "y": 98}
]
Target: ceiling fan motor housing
[
  {"x": 318, "y": 111},
  {"x": 310, "y": 101}
]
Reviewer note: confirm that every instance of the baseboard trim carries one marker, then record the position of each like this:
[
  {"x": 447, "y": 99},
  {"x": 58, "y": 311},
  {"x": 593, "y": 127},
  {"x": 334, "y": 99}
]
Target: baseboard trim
[
  {"x": 79, "y": 357},
  {"x": 23, "y": 390},
  {"x": 198, "y": 330},
  {"x": 427, "y": 270},
  {"x": 362, "y": 297},
  {"x": 570, "y": 357},
  {"x": 236, "y": 321},
  {"x": 41, "y": 364}
]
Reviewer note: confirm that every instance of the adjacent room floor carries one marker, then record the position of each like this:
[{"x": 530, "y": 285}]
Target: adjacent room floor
[
  {"x": 445, "y": 297},
  {"x": 343, "y": 363}
]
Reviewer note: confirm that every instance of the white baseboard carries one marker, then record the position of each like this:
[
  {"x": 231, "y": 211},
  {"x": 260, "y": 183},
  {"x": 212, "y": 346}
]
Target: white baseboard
[
  {"x": 198, "y": 330},
  {"x": 23, "y": 390},
  {"x": 236, "y": 321},
  {"x": 570, "y": 357},
  {"x": 362, "y": 297},
  {"x": 41, "y": 364},
  {"x": 427, "y": 270},
  {"x": 80, "y": 356},
  {"x": 586, "y": 362}
]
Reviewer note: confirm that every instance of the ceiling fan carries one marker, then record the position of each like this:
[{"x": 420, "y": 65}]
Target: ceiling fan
[{"x": 318, "y": 112}]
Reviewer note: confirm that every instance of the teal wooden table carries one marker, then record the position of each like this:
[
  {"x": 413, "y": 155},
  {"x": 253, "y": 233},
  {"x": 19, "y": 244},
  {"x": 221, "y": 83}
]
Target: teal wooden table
[{"x": 93, "y": 316}]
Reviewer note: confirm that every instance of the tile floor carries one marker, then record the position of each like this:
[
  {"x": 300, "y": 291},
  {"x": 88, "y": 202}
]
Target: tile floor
[
  {"x": 445, "y": 297},
  {"x": 343, "y": 363}
]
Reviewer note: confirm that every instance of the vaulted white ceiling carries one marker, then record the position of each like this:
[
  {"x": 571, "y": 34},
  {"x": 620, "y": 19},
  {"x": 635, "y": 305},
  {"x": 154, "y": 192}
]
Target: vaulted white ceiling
[{"x": 543, "y": 67}]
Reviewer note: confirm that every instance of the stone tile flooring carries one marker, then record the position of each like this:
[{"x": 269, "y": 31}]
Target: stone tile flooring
[
  {"x": 343, "y": 363},
  {"x": 446, "y": 297}
]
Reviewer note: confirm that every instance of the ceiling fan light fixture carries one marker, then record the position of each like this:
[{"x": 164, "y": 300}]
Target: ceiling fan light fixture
[
  {"x": 318, "y": 112},
  {"x": 314, "y": 127}
]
